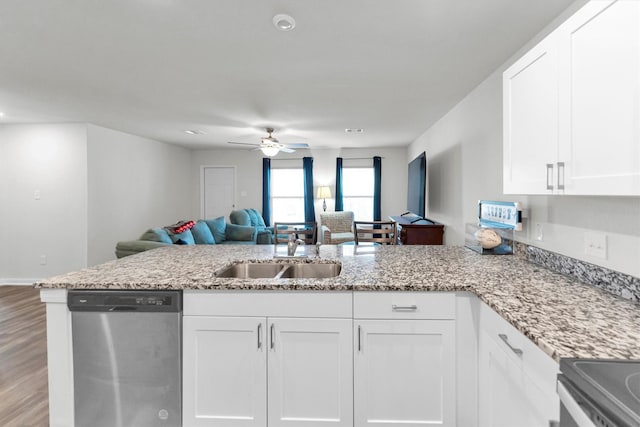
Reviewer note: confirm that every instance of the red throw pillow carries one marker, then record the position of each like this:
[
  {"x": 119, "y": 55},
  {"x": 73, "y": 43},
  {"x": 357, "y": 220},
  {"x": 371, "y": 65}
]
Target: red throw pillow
[{"x": 180, "y": 227}]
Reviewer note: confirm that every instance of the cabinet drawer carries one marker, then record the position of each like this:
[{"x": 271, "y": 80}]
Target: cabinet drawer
[
  {"x": 404, "y": 305},
  {"x": 268, "y": 303},
  {"x": 535, "y": 363}
]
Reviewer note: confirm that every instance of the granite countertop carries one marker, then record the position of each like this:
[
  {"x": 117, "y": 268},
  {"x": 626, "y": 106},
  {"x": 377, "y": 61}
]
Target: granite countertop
[{"x": 564, "y": 317}]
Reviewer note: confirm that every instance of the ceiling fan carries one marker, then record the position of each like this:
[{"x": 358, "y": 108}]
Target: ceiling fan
[{"x": 270, "y": 146}]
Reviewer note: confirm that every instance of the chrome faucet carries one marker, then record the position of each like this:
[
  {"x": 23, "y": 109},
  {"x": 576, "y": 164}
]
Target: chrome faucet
[{"x": 293, "y": 244}]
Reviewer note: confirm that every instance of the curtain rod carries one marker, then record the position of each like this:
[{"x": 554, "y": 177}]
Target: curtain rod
[{"x": 344, "y": 158}]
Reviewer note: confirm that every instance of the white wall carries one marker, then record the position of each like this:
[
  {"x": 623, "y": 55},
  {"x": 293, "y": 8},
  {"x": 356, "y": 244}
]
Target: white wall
[
  {"x": 249, "y": 174},
  {"x": 134, "y": 183},
  {"x": 49, "y": 160},
  {"x": 464, "y": 164}
]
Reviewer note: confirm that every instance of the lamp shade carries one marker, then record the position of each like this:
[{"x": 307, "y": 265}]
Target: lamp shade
[{"x": 324, "y": 192}]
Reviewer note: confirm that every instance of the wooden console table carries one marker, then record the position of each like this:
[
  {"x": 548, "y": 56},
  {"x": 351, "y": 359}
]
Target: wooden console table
[{"x": 421, "y": 232}]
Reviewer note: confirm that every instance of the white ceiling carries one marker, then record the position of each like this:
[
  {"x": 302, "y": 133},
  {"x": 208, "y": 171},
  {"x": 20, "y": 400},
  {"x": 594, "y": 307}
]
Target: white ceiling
[{"x": 157, "y": 67}]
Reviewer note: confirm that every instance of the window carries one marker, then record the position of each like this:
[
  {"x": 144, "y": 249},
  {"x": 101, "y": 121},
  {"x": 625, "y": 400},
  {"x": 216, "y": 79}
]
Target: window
[
  {"x": 357, "y": 192},
  {"x": 287, "y": 195}
]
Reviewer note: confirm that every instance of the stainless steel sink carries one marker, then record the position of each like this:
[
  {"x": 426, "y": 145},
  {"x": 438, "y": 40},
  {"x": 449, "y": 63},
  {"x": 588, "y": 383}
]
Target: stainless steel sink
[
  {"x": 253, "y": 270},
  {"x": 264, "y": 270},
  {"x": 310, "y": 271}
]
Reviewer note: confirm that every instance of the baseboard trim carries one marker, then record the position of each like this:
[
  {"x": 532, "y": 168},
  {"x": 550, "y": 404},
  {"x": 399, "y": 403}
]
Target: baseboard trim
[{"x": 17, "y": 282}]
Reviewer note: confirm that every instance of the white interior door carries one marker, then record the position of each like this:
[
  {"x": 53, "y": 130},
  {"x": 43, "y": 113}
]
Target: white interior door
[{"x": 218, "y": 185}]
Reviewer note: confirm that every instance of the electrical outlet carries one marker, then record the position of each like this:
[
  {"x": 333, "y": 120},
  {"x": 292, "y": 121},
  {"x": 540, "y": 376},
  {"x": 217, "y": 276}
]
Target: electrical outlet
[
  {"x": 539, "y": 232},
  {"x": 595, "y": 244},
  {"x": 36, "y": 194},
  {"x": 43, "y": 260}
]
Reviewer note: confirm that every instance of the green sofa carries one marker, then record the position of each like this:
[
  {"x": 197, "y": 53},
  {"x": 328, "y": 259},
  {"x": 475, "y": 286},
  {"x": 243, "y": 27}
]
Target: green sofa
[{"x": 204, "y": 232}]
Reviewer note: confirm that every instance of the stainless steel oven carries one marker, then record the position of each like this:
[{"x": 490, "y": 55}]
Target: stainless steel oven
[{"x": 599, "y": 393}]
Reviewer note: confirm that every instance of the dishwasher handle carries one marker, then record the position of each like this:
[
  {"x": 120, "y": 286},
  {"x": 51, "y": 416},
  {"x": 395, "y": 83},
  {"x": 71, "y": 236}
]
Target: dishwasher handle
[{"x": 123, "y": 308}]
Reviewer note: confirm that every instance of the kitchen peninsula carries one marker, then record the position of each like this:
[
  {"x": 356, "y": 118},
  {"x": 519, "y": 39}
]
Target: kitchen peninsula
[{"x": 450, "y": 295}]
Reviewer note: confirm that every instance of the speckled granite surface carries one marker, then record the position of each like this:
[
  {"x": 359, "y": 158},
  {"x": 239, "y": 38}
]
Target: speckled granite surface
[
  {"x": 564, "y": 317},
  {"x": 617, "y": 283}
]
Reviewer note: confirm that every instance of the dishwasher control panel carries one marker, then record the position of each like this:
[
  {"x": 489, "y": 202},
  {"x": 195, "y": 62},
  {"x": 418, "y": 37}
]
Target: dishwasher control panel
[{"x": 117, "y": 300}]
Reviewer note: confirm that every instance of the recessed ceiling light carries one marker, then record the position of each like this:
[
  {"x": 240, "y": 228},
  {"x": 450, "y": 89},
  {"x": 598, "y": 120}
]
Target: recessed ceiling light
[
  {"x": 284, "y": 22},
  {"x": 194, "y": 132},
  {"x": 1, "y": 114},
  {"x": 354, "y": 130}
]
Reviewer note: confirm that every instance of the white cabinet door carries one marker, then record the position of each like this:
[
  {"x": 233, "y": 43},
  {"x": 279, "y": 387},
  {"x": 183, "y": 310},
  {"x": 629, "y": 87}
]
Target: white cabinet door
[
  {"x": 572, "y": 107},
  {"x": 224, "y": 371},
  {"x": 530, "y": 108},
  {"x": 507, "y": 396},
  {"x": 310, "y": 367},
  {"x": 600, "y": 101},
  {"x": 404, "y": 373}
]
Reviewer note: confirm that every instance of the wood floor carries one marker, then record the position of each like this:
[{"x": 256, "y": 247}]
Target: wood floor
[{"x": 24, "y": 397}]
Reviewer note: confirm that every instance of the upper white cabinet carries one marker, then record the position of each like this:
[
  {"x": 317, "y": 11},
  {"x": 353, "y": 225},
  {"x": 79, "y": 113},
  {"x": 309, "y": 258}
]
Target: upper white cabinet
[
  {"x": 600, "y": 99},
  {"x": 572, "y": 107},
  {"x": 530, "y": 99}
]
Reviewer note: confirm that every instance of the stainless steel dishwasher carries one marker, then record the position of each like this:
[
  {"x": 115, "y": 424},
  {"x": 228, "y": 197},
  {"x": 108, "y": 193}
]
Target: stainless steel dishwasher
[{"x": 127, "y": 348}]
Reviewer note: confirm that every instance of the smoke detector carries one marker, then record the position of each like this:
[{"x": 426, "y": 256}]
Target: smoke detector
[{"x": 284, "y": 22}]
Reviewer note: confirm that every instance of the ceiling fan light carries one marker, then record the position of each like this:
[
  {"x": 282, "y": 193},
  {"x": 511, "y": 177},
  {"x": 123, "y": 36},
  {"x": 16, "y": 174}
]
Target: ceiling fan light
[{"x": 269, "y": 151}]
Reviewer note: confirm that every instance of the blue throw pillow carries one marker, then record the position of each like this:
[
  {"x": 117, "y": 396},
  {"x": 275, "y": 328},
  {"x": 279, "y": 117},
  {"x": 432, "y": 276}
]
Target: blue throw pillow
[
  {"x": 202, "y": 234},
  {"x": 218, "y": 227},
  {"x": 184, "y": 238},
  {"x": 240, "y": 217},
  {"x": 156, "y": 235},
  {"x": 256, "y": 218},
  {"x": 241, "y": 233}
]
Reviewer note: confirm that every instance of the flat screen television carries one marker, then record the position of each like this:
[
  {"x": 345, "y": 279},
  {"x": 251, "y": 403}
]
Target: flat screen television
[{"x": 416, "y": 185}]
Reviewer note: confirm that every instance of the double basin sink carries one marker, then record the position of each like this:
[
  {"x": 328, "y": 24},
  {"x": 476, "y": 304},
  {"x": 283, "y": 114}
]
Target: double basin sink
[{"x": 272, "y": 270}]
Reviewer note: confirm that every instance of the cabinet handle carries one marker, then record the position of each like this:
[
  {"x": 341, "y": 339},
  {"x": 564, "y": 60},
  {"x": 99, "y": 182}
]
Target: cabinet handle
[
  {"x": 505, "y": 339},
  {"x": 259, "y": 335},
  {"x": 549, "y": 176},
  {"x": 560, "y": 175},
  {"x": 359, "y": 338},
  {"x": 404, "y": 307},
  {"x": 272, "y": 331}
]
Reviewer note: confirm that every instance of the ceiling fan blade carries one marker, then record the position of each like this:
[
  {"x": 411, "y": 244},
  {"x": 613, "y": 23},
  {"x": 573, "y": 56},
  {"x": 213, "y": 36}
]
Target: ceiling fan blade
[
  {"x": 243, "y": 143},
  {"x": 287, "y": 150},
  {"x": 298, "y": 145}
]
